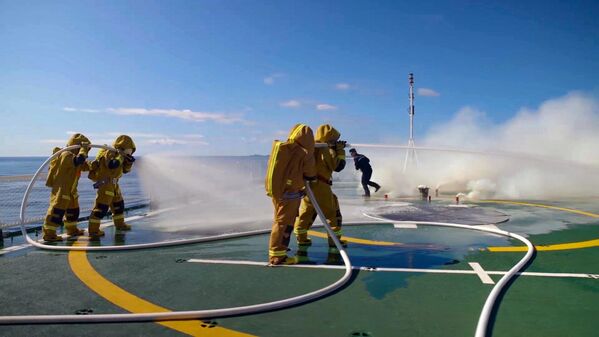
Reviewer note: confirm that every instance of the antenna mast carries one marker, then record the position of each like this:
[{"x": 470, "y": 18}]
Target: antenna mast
[
  {"x": 411, "y": 157},
  {"x": 411, "y": 79}
]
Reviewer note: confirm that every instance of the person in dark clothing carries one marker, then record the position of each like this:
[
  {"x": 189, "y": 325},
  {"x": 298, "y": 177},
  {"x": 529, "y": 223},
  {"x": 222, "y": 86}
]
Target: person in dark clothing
[{"x": 362, "y": 163}]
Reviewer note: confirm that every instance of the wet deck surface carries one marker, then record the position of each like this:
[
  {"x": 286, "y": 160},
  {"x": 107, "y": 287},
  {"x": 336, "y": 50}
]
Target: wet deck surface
[{"x": 374, "y": 303}]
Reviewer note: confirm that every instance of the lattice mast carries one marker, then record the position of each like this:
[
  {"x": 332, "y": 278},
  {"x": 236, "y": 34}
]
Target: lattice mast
[{"x": 411, "y": 158}]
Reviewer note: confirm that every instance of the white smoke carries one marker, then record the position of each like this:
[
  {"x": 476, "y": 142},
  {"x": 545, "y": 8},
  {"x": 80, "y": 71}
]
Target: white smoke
[{"x": 555, "y": 154}]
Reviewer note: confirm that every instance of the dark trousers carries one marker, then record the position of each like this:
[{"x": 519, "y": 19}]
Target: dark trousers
[{"x": 366, "y": 182}]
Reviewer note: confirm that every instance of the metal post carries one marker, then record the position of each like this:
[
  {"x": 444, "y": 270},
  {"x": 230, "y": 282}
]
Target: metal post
[{"x": 411, "y": 158}]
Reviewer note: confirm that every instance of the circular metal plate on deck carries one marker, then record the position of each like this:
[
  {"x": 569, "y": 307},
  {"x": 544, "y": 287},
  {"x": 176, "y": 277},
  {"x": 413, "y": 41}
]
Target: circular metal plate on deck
[{"x": 439, "y": 213}]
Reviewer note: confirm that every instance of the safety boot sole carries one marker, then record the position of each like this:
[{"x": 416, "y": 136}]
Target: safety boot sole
[{"x": 52, "y": 239}]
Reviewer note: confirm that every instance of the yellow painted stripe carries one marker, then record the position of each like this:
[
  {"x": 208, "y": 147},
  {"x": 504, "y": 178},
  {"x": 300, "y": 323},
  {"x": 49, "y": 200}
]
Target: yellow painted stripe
[
  {"x": 560, "y": 246},
  {"x": 554, "y": 247},
  {"x": 120, "y": 297},
  {"x": 570, "y": 210},
  {"x": 356, "y": 240}
]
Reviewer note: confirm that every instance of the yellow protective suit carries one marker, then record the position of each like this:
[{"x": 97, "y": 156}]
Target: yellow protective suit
[
  {"x": 105, "y": 171},
  {"x": 327, "y": 160},
  {"x": 63, "y": 178},
  {"x": 289, "y": 164}
]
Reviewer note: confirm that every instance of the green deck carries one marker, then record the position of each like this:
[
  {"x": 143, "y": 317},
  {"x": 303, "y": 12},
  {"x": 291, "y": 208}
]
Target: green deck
[{"x": 373, "y": 304}]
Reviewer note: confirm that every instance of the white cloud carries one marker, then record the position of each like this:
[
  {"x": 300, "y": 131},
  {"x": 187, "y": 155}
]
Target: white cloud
[
  {"x": 196, "y": 116},
  {"x": 175, "y": 141},
  {"x": 62, "y": 142},
  {"x": 70, "y": 109},
  {"x": 193, "y": 136},
  {"x": 147, "y": 138},
  {"x": 270, "y": 80},
  {"x": 291, "y": 104},
  {"x": 342, "y": 86},
  {"x": 118, "y": 133},
  {"x": 427, "y": 92},
  {"x": 53, "y": 141},
  {"x": 324, "y": 107}
]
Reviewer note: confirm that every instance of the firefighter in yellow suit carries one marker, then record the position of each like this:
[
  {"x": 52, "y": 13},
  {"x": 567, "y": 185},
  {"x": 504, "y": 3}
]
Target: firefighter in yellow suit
[
  {"x": 289, "y": 164},
  {"x": 63, "y": 178},
  {"x": 328, "y": 159},
  {"x": 105, "y": 171}
]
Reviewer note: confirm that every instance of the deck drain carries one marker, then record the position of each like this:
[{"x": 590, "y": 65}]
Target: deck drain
[
  {"x": 360, "y": 334},
  {"x": 99, "y": 257},
  {"x": 180, "y": 260},
  {"x": 86, "y": 311},
  {"x": 209, "y": 324}
]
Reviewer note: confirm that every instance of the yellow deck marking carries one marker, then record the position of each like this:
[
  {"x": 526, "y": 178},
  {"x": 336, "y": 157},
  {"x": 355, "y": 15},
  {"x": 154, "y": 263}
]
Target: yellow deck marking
[
  {"x": 554, "y": 247},
  {"x": 570, "y": 210},
  {"x": 560, "y": 246},
  {"x": 356, "y": 240},
  {"x": 120, "y": 297}
]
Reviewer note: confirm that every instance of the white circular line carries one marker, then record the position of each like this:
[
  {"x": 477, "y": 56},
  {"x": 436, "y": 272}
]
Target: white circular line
[{"x": 483, "y": 320}]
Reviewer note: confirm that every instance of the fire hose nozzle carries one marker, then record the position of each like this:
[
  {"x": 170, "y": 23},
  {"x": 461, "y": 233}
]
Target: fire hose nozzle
[{"x": 323, "y": 145}]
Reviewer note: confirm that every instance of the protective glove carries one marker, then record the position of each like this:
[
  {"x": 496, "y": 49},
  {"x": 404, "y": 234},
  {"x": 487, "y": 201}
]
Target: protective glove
[
  {"x": 79, "y": 159},
  {"x": 114, "y": 163},
  {"x": 129, "y": 158},
  {"x": 340, "y": 145}
]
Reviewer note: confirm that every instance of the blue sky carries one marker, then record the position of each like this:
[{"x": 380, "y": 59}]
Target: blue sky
[{"x": 228, "y": 77}]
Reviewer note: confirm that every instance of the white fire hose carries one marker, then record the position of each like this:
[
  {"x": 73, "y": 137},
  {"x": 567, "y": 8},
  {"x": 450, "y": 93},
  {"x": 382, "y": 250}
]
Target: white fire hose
[
  {"x": 481, "y": 328},
  {"x": 177, "y": 315},
  {"x": 485, "y": 314}
]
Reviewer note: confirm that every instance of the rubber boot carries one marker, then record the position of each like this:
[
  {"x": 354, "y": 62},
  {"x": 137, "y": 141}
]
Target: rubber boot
[
  {"x": 302, "y": 254},
  {"x": 94, "y": 231},
  {"x": 50, "y": 236},
  {"x": 303, "y": 240},
  {"x": 291, "y": 260},
  {"x": 276, "y": 260},
  {"x": 283, "y": 260},
  {"x": 121, "y": 225},
  {"x": 74, "y": 231}
]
